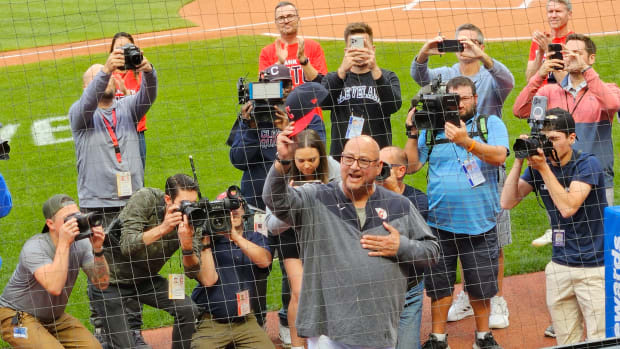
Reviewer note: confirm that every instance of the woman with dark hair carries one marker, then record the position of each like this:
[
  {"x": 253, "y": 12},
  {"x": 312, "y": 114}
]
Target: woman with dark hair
[
  {"x": 131, "y": 81},
  {"x": 311, "y": 164}
]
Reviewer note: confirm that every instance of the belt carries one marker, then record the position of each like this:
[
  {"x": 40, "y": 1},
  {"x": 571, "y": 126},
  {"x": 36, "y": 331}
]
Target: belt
[{"x": 228, "y": 320}]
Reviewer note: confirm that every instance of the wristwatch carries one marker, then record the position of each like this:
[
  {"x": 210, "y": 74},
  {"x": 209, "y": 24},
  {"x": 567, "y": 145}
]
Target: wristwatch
[
  {"x": 305, "y": 62},
  {"x": 98, "y": 254},
  {"x": 283, "y": 162},
  {"x": 409, "y": 133},
  {"x": 187, "y": 252}
]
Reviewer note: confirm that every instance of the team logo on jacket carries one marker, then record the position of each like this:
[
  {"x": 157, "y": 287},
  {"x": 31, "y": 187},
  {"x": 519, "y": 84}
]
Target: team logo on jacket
[{"x": 382, "y": 213}]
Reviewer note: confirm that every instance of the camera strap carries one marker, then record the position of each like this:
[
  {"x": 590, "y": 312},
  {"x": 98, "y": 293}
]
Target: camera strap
[{"x": 111, "y": 128}]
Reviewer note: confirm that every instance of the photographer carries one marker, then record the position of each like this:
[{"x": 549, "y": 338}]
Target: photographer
[
  {"x": 252, "y": 140},
  {"x": 106, "y": 141},
  {"x": 229, "y": 265},
  {"x": 147, "y": 232},
  {"x": 362, "y": 96},
  {"x": 464, "y": 204},
  {"x": 572, "y": 186},
  {"x": 591, "y": 102},
  {"x": 493, "y": 83},
  {"x": 32, "y": 306}
]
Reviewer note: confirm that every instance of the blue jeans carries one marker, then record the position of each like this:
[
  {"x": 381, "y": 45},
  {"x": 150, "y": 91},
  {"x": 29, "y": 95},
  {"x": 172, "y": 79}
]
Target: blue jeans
[{"x": 411, "y": 318}]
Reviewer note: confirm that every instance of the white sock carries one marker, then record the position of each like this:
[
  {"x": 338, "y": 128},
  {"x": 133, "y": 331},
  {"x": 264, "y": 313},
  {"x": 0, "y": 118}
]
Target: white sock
[
  {"x": 480, "y": 335},
  {"x": 440, "y": 336}
]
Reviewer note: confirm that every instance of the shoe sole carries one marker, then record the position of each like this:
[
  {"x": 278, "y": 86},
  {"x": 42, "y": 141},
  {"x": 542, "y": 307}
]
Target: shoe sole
[
  {"x": 547, "y": 334},
  {"x": 499, "y": 326},
  {"x": 540, "y": 244},
  {"x": 460, "y": 318}
]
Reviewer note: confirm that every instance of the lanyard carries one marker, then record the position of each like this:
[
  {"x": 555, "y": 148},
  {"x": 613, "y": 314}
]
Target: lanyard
[
  {"x": 112, "y": 134},
  {"x": 585, "y": 90}
]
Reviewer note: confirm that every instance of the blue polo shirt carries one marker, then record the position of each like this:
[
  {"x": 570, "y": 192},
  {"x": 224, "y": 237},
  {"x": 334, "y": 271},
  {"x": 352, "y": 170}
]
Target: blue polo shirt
[
  {"x": 235, "y": 273},
  {"x": 453, "y": 204},
  {"x": 583, "y": 232}
]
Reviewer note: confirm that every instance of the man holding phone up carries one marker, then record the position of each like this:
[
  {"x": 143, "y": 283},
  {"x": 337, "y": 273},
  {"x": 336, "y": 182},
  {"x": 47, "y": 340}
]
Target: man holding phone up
[
  {"x": 493, "y": 83},
  {"x": 592, "y": 102},
  {"x": 362, "y": 96}
]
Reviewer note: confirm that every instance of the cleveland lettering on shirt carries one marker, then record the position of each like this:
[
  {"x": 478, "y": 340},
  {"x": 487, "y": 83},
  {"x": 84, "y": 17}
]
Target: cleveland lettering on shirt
[
  {"x": 359, "y": 92},
  {"x": 267, "y": 138}
]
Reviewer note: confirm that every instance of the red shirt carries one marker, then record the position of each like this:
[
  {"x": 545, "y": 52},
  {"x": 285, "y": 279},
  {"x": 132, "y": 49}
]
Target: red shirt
[
  {"x": 534, "y": 47},
  {"x": 132, "y": 84},
  {"x": 313, "y": 51}
]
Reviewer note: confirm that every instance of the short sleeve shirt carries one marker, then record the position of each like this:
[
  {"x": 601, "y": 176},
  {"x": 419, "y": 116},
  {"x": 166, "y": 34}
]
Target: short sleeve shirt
[
  {"x": 25, "y": 293},
  {"x": 454, "y": 205},
  {"x": 313, "y": 51},
  {"x": 583, "y": 231}
]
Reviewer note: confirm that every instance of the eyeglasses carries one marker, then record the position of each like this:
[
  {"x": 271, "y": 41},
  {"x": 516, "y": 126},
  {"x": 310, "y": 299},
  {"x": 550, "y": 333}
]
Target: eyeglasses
[
  {"x": 348, "y": 160},
  {"x": 466, "y": 98},
  {"x": 286, "y": 19}
]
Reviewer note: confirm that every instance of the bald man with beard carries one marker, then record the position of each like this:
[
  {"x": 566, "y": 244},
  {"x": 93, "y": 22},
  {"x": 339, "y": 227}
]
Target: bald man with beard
[{"x": 358, "y": 241}]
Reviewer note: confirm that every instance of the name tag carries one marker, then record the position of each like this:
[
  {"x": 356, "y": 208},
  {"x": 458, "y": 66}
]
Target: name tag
[
  {"x": 20, "y": 332},
  {"x": 356, "y": 125},
  {"x": 176, "y": 286},
  {"x": 559, "y": 239},
  {"x": 473, "y": 172},
  {"x": 123, "y": 184},
  {"x": 259, "y": 223},
  {"x": 243, "y": 303}
]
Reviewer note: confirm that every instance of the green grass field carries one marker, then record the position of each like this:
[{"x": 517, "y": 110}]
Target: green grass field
[
  {"x": 25, "y": 24},
  {"x": 193, "y": 114}
]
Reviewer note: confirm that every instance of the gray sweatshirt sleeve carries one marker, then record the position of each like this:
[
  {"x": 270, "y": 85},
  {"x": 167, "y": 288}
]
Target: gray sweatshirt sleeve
[
  {"x": 420, "y": 73},
  {"x": 275, "y": 225},
  {"x": 82, "y": 111},
  {"x": 503, "y": 77},
  {"x": 283, "y": 201},
  {"x": 419, "y": 245},
  {"x": 144, "y": 99}
]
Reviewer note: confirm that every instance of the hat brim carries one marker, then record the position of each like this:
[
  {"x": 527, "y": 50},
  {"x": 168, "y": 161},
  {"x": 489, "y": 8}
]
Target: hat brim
[{"x": 302, "y": 124}]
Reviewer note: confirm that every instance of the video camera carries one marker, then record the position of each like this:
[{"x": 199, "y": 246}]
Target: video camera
[
  {"x": 212, "y": 216},
  {"x": 85, "y": 222},
  {"x": 524, "y": 148},
  {"x": 263, "y": 96},
  {"x": 133, "y": 56},
  {"x": 434, "y": 107}
]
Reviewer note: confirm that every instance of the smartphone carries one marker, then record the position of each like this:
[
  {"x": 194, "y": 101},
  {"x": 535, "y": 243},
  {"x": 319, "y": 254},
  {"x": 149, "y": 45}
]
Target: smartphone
[
  {"x": 300, "y": 183},
  {"x": 356, "y": 41},
  {"x": 557, "y": 53},
  {"x": 539, "y": 108},
  {"x": 450, "y": 46}
]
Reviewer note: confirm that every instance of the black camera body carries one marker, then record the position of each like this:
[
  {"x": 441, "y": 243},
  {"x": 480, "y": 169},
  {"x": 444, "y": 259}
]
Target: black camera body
[
  {"x": 264, "y": 96},
  {"x": 434, "y": 107},
  {"x": 85, "y": 222},
  {"x": 212, "y": 216},
  {"x": 133, "y": 56},
  {"x": 524, "y": 148}
]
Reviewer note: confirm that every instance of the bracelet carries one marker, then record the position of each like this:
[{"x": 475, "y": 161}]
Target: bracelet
[
  {"x": 206, "y": 246},
  {"x": 187, "y": 252},
  {"x": 98, "y": 254},
  {"x": 472, "y": 146},
  {"x": 411, "y": 135},
  {"x": 304, "y": 62}
]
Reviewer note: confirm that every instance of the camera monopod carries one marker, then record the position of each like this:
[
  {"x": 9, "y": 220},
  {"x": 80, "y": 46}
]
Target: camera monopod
[{"x": 191, "y": 163}]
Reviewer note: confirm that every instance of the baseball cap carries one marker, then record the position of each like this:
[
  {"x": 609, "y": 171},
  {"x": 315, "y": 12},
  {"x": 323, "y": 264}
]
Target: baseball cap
[
  {"x": 53, "y": 205},
  {"x": 303, "y": 104},
  {"x": 558, "y": 119},
  {"x": 276, "y": 72}
]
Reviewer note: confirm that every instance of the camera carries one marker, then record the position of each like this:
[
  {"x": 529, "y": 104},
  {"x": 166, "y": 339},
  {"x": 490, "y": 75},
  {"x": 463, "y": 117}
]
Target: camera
[
  {"x": 386, "y": 172},
  {"x": 85, "y": 222},
  {"x": 133, "y": 56},
  {"x": 263, "y": 96},
  {"x": 434, "y": 107},
  {"x": 212, "y": 216},
  {"x": 524, "y": 148}
]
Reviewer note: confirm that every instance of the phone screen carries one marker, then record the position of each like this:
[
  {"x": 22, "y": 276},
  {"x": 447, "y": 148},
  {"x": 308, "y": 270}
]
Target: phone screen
[{"x": 450, "y": 46}]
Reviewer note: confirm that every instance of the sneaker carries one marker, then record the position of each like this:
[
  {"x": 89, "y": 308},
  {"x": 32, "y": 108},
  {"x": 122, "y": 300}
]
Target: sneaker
[
  {"x": 544, "y": 239},
  {"x": 285, "y": 336},
  {"x": 488, "y": 342},
  {"x": 498, "y": 318},
  {"x": 434, "y": 343},
  {"x": 139, "y": 340},
  {"x": 460, "y": 308},
  {"x": 550, "y": 332}
]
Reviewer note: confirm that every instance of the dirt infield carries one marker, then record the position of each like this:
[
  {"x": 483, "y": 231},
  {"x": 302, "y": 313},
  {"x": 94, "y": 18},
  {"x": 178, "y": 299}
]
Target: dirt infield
[{"x": 392, "y": 20}]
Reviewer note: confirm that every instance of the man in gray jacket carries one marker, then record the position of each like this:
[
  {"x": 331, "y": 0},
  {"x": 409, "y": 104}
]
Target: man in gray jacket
[{"x": 358, "y": 239}]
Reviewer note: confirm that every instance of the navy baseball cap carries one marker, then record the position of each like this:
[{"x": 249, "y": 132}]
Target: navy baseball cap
[
  {"x": 304, "y": 103},
  {"x": 558, "y": 119},
  {"x": 276, "y": 72}
]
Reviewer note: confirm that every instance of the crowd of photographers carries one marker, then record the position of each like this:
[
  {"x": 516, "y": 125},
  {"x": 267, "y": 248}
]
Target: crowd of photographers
[{"x": 357, "y": 246}]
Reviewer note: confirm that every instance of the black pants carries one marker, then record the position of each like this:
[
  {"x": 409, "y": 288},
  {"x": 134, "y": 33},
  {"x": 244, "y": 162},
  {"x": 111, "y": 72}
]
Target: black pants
[{"x": 153, "y": 292}]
